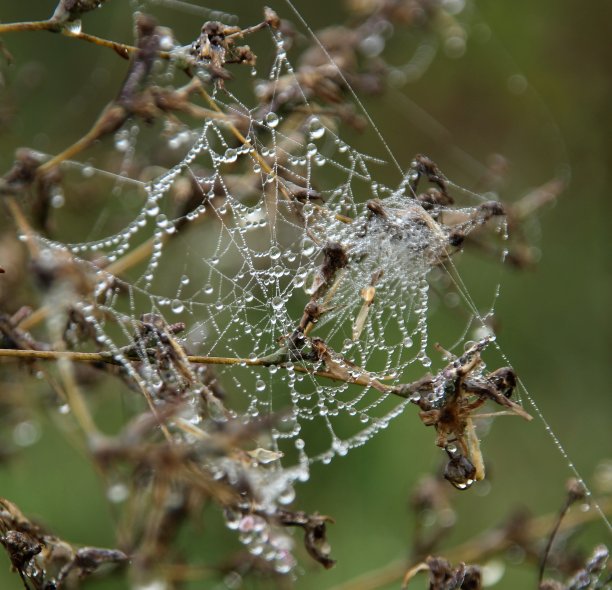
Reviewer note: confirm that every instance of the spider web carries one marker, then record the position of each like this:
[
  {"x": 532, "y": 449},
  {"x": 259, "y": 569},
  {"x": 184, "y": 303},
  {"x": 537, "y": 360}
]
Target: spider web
[
  {"x": 252, "y": 259},
  {"x": 238, "y": 229}
]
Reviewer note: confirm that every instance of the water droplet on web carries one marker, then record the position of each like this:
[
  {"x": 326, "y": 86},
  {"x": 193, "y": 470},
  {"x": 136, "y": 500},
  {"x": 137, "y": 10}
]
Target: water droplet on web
[
  {"x": 177, "y": 306},
  {"x": 230, "y": 156},
  {"x": 57, "y": 200},
  {"x": 315, "y": 128},
  {"x": 284, "y": 566},
  {"x": 260, "y": 385},
  {"x": 122, "y": 141},
  {"x": 308, "y": 247},
  {"x": 408, "y": 342},
  {"x": 232, "y": 519},
  {"x": 274, "y": 253},
  {"x": 272, "y": 120},
  {"x": 287, "y": 495},
  {"x": 151, "y": 208}
]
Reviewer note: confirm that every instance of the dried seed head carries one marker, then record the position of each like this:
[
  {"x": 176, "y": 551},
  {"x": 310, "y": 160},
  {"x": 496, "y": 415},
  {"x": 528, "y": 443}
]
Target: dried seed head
[
  {"x": 504, "y": 380},
  {"x": 575, "y": 490},
  {"x": 271, "y": 18},
  {"x": 68, "y": 10}
]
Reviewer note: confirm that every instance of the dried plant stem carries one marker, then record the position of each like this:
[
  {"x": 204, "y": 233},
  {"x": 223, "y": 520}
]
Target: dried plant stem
[
  {"x": 121, "y": 48},
  {"x": 38, "y": 25},
  {"x": 75, "y": 399},
  {"x": 83, "y": 143},
  {"x": 23, "y": 225},
  {"x": 479, "y": 549},
  {"x": 70, "y": 387},
  {"x": 98, "y": 357},
  {"x": 54, "y": 26}
]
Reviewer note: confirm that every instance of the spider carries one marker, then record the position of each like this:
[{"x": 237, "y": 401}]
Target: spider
[{"x": 448, "y": 401}]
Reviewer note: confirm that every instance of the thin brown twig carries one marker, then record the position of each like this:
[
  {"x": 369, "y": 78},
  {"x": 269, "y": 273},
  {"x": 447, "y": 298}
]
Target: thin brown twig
[
  {"x": 38, "y": 25},
  {"x": 53, "y": 26},
  {"x": 98, "y": 357}
]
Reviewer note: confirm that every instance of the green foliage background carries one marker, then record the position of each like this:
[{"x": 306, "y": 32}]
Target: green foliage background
[{"x": 555, "y": 320}]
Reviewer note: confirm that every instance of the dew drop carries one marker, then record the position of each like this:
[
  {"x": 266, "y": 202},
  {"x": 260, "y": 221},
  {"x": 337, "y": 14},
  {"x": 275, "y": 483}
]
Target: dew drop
[
  {"x": 287, "y": 495},
  {"x": 151, "y": 208},
  {"x": 117, "y": 493},
  {"x": 73, "y": 26},
  {"x": 231, "y": 155},
  {"x": 122, "y": 142},
  {"x": 272, "y": 120},
  {"x": 316, "y": 129}
]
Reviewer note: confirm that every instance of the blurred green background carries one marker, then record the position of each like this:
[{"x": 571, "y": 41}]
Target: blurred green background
[{"x": 555, "y": 320}]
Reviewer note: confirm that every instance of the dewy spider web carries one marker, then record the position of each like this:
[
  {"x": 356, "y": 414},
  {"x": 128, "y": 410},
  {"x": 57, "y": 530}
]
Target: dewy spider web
[
  {"x": 259, "y": 256},
  {"x": 239, "y": 231}
]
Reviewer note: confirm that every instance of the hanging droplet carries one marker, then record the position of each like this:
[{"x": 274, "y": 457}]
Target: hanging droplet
[
  {"x": 73, "y": 26},
  {"x": 315, "y": 128},
  {"x": 272, "y": 120},
  {"x": 151, "y": 208},
  {"x": 230, "y": 156}
]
